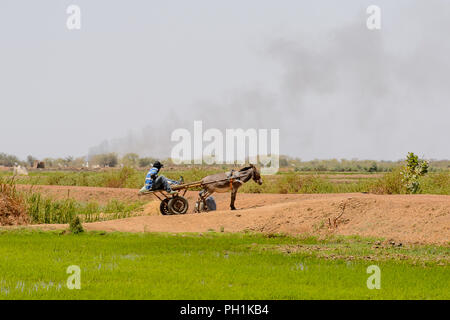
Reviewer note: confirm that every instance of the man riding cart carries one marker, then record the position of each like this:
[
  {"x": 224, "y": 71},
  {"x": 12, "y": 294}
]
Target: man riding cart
[
  {"x": 167, "y": 191},
  {"x": 154, "y": 182}
]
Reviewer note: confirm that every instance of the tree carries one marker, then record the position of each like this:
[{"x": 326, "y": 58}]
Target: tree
[
  {"x": 30, "y": 160},
  {"x": 373, "y": 167},
  {"x": 49, "y": 162},
  {"x": 8, "y": 160},
  {"x": 130, "y": 159},
  {"x": 283, "y": 162},
  {"x": 68, "y": 160},
  {"x": 106, "y": 159},
  {"x": 146, "y": 162}
]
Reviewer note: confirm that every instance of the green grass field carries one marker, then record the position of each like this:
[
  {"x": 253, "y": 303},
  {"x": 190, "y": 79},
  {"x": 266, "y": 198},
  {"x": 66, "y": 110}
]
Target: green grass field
[{"x": 215, "y": 266}]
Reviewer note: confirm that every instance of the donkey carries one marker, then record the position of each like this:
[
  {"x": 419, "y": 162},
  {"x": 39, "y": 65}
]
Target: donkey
[{"x": 232, "y": 180}]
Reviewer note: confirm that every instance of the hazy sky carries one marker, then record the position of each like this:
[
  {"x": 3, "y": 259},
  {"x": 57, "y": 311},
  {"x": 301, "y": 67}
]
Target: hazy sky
[{"x": 139, "y": 69}]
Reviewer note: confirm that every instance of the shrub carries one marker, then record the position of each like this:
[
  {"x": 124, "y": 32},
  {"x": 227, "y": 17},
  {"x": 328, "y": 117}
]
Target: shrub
[
  {"x": 296, "y": 183},
  {"x": 46, "y": 210},
  {"x": 75, "y": 225},
  {"x": 315, "y": 184},
  {"x": 12, "y": 208},
  {"x": 118, "y": 179},
  {"x": 412, "y": 171},
  {"x": 55, "y": 179},
  {"x": 438, "y": 183},
  {"x": 373, "y": 167},
  {"x": 390, "y": 183}
]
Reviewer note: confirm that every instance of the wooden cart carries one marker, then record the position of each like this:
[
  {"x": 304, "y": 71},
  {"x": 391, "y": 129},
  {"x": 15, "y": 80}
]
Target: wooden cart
[
  {"x": 177, "y": 203},
  {"x": 174, "y": 203}
]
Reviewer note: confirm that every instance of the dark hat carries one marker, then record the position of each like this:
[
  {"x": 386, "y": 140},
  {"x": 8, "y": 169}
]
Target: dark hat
[{"x": 158, "y": 165}]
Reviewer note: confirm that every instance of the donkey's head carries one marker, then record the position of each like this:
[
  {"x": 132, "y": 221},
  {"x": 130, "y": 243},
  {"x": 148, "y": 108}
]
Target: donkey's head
[{"x": 256, "y": 176}]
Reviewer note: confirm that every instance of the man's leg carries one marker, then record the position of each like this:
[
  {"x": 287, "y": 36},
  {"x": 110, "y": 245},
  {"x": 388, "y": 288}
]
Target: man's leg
[
  {"x": 157, "y": 184},
  {"x": 162, "y": 183},
  {"x": 181, "y": 181}
]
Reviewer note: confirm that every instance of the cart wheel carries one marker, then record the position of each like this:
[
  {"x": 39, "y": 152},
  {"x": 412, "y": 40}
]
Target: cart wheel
[
  {"x": 164, "y": 207},
  {"x": 178, "y": 205}
]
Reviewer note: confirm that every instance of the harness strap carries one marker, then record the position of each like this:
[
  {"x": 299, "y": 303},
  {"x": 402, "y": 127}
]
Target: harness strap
[{"x": 231, "y": 183}]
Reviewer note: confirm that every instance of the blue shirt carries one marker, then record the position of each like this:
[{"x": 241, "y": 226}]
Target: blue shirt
[{"x": 148, "y": 179}]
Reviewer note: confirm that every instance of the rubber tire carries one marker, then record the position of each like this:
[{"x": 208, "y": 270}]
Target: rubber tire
[
  {"x": 164, "y": 207},
  {"x": 175, "y": 202}
]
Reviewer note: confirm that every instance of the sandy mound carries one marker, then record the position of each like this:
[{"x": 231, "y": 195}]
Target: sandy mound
[{"x": 417, "y": 219}]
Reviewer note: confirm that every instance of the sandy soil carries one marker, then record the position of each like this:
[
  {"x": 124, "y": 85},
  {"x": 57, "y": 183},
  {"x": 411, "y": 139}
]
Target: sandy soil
[{"x": 405, "y": 218}]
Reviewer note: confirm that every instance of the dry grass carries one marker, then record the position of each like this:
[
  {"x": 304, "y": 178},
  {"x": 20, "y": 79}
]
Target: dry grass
[
  {"x": 390, "y": 183},
  {"x": 12, "y": 207}
]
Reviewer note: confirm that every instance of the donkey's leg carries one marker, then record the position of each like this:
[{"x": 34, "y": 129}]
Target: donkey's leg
[{"x": 233, "y": 198}]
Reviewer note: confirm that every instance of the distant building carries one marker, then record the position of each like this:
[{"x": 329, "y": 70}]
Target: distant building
[{"x": 38, "y": 164}]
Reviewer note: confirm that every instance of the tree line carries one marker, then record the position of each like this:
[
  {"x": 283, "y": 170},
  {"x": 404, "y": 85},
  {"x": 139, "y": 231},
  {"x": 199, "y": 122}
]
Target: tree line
[{"x": 112, "y": 160}]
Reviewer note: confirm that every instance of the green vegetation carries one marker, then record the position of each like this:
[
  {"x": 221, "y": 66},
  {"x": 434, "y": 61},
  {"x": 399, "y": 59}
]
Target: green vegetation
[
  {"x": 284, "y": 182},
  {"x": 412, "y": 171},
  {"x": 75, "y": 225},
  {"x": 438, "y": 183},
  {"x": 409, "y": 177},
  {"x": 390, "y": 183},
  {"x": 34, "y": 208},
  {"x": 47, "y": 210},
  {"x": 394, "y": 183},
  {"x": 113, "y": 178},
  {"x": 355, "y": 165},
  {"x": 305, "y": 183},
  {"x": 213, "y": 265}
]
